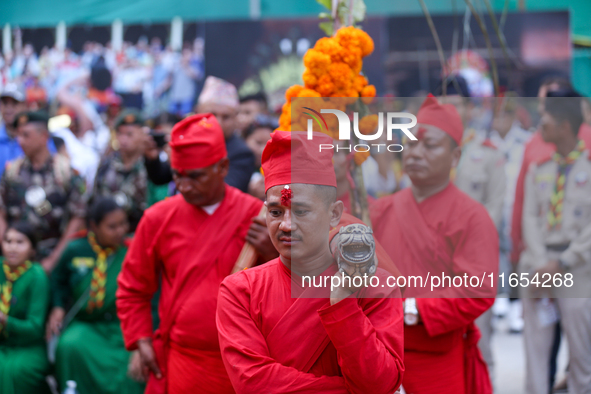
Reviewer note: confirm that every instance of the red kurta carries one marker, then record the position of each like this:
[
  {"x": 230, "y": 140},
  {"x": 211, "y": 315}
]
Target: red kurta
[
  {"x": 274, "y": 343},
  {"x": 536, "y": 151},
  {"x": 452, "y": 233},
  {"x": 189, "y": 253}
]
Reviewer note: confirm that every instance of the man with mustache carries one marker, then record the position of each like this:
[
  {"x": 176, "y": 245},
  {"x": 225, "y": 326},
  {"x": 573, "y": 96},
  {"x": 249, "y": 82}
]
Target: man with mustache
[
  {"x": 433, "y": 227},
  {"x": 280, "y": 335},
  {"x": 187, "y": 245}
]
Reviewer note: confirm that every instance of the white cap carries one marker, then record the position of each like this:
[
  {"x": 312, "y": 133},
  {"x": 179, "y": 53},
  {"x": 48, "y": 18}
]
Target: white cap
[{"x": 12, "y": 91}]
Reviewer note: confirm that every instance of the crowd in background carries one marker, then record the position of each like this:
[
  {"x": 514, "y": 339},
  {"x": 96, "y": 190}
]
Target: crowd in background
[{"x": 145, "y": 75}]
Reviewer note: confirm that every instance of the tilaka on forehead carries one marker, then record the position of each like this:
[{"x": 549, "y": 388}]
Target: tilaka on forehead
[{"x": 286, "y": 196}]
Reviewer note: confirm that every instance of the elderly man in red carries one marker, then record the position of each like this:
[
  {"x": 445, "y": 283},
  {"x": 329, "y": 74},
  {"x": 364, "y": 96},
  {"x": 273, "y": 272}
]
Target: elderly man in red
[
  {"x": 281, "y": 337},
  {"x": 187, "y": 245},
  {"x": 430, "y": 228}
]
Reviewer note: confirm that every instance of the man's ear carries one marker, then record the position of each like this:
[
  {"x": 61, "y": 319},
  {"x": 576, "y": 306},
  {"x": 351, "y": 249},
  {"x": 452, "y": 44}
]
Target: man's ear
[
  {"x": 224, "y": 166},
  {"x": 336, "y": 211},
  {"x": 456, "y": 154}
]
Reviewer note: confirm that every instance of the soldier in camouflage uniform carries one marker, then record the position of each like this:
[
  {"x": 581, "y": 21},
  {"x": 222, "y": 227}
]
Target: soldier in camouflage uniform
[
  {"x": 42, "y": 189},
  {"x": 122, "y": 174}
]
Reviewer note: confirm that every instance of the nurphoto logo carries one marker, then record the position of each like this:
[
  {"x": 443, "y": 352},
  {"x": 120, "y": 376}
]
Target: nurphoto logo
[{"x": 345, "y": 129}]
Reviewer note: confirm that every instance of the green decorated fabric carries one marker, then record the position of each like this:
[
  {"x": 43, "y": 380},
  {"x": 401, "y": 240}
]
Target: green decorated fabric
[
  {"x": 23, "y": 355},
  {"x": 90, "y": 351}
]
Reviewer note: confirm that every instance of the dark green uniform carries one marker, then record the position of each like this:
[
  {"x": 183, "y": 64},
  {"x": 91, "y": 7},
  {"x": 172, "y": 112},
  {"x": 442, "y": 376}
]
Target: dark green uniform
[
  {"x": 47, "y": 198},
  {"x": 90, "y": 351},
  {"x": 23, "y": 354},
  {"x": 129, "y": 187}
]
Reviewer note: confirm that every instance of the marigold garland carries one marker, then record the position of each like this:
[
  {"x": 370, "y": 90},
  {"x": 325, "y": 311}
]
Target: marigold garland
[
  {"x": 333, "y": 68},
  {"x": 368, "y": 124}
]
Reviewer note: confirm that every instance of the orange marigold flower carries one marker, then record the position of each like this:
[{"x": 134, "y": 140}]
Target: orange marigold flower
[
  {"x": 360, "y": 83},
  {"x": 314, "y": 59},
  {"x": 325, "y": 86},
  {"x": 292, "y": 91},
  {"x": 360, "y": 157},
  {"x": 368, "y": 124},
  {"x": 330, "y": 47},
  {"x": 308, "y": 93},
  {"x": 365, "y": 42},
  {"x": 310, "y": 79},
  {"x": 351, "y": 56},
  {"x": 342, "y": 75},
  {"x": 300, "y": 127},
  {"x": 347, "y": 37},
  {"x": 368, "y": 93},
  {"x": 285, "y": 113}
]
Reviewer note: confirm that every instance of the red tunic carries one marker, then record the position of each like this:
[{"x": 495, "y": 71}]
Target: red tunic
[
  {"x": 536, "y": 151},
  {"x": 272, "y": 342},
  {"x": 447, "y": 232},
  {"x": 189, "y": 253}
]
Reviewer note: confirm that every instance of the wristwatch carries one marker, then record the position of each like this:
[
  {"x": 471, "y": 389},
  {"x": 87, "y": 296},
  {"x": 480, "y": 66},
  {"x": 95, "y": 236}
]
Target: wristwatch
[{"x": 411, "y": 313}]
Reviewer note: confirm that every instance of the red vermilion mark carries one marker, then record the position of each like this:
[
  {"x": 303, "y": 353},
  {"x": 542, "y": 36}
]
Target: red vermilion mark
[
  {"x": 286, "y": 196},
  {"x": 421, "y": 132}
]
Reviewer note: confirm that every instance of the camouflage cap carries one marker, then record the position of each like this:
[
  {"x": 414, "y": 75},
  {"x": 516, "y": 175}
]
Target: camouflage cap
[
  {"x": 129, "y": 117},
  {"x": 31, "y": 116}
]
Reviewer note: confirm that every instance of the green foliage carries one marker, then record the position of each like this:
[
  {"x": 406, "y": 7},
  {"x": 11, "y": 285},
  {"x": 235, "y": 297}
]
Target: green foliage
[
  {"x": 344, "y": 15},
  {"x": 325, "y": 3}
]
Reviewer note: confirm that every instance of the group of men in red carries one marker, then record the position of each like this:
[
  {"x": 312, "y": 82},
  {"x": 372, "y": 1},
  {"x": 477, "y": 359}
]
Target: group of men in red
[{"x": 263, "y": 329}]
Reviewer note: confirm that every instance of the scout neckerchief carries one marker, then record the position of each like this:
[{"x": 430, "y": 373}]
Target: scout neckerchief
[
  {"x": 556, "y": 201},
  {"x": 98, "y": 282},
  {"x": 12, "y": 274}
]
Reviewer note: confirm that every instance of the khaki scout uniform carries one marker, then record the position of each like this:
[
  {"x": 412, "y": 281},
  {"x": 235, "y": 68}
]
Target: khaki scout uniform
[
  {"x": 571, "y": 245},
  {"x": 481, "y": 175}
]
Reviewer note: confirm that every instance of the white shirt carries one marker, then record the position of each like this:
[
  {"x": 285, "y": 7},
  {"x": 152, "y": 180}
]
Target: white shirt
[{"x": 210, "y": 209}]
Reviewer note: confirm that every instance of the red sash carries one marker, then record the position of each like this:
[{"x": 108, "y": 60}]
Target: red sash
[{"x": 214, "y": 230}]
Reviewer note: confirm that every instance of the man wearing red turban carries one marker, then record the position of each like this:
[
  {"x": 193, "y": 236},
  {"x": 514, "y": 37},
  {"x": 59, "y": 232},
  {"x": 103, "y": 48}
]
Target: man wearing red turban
[
  {"x": 187, "y": 244},
  {"x": 279, "y": 335},
  {"x": 433, "y": 227}
]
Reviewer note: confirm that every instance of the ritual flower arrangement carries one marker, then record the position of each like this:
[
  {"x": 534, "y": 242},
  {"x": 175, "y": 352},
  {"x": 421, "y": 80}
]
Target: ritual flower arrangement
[{"x": 333, "y": 70}]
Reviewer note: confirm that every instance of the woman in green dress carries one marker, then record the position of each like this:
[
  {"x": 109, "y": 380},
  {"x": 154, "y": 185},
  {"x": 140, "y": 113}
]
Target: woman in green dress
[
  {"x": 24, "y": 299},
  {"x": 90, "y": 350}
]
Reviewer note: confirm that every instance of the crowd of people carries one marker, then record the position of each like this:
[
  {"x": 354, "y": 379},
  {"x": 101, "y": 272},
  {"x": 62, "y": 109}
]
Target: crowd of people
[
  {"x": 121, "y": 219},
  {"x": 146, "y": 75}
]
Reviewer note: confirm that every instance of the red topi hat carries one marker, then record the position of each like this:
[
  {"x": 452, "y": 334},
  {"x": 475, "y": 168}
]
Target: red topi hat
[
  {"x": 197, "y": 142},
  {"x": 289, "y": 157},
  {"x": 442, "y": 116}
]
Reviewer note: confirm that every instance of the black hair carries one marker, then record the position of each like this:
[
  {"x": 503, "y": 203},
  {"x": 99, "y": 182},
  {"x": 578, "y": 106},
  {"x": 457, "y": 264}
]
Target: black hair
[
  {"x": 26, "y": 229},
  {"x": 327, "y": 193},
  {"x": 454, "y": 85},
  {"x": 565, "y": 105},
  {"x": 58, "y": 142},
  {"x": 259, "y": 97},
  {"x": 261, "y": 122},
  {"x": 164, "y": 118},
  {"x": 100, "y": 208}
]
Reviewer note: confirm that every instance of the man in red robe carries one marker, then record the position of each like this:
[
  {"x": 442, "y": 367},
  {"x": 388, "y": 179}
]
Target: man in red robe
[
  {"x": 280, "y": 335},
  {"x": 430, "y": 228},
  {"x": 186, "y": 245}
]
